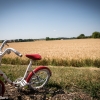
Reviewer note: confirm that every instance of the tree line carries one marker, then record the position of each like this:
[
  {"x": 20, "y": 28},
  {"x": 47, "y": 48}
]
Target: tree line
[
  {"x": 81, "y": 36},
  {"x": 94, "y": 35},
  {"x": 19, "y": 40}
]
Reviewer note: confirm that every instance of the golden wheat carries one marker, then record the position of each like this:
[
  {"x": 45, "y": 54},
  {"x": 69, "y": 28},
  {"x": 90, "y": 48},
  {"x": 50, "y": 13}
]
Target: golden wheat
[{"x": 60, "y": 49}]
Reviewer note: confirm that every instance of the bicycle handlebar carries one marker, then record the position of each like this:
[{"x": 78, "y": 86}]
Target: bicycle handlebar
[
  {"x": 8, "y": 50},
  {"x": 2, "y": 45},
  {"x": 18, "y": 53},
  {"x": 13, "y": 50}
]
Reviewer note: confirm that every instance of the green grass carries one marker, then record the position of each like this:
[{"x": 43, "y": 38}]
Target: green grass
[
  {"x": 70, "y": 79},
  {"x": 55, "y": 62}
]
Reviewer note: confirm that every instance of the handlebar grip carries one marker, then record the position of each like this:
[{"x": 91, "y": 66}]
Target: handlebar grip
[{"x": 19, "y": 54}]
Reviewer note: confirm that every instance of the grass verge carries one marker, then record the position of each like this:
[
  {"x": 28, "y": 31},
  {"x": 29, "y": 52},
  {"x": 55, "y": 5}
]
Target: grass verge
[{"x": 54, "y": 62}]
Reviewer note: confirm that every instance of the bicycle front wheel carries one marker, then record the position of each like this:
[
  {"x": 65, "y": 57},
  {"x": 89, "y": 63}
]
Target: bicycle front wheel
[
  {"x": 38, "y": 77},
  {"x": 2, "y": 88}
]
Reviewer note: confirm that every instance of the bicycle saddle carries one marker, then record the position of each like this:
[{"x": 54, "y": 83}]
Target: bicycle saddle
[{"x": 33, "y": 56}]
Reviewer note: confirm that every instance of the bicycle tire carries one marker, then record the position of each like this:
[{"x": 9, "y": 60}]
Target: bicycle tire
[
  {"x": 2, "y": 86},
  {"x": 36, "y": 83}
]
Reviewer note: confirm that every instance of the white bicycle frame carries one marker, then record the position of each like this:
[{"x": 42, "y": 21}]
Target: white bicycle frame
[{"x": 22, "y": 82}]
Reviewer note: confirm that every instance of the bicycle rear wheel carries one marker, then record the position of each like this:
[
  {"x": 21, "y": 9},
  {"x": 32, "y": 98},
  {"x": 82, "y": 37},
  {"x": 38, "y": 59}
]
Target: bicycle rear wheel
[{"x": 39, "y": 77}]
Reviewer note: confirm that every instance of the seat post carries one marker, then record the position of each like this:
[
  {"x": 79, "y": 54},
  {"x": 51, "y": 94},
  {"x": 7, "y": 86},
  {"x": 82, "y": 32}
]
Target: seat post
[{"x": 29, "y": 68}]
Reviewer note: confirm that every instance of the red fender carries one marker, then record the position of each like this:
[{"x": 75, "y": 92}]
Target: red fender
[
  {"x": 35, "y": 70},
  {"x": 3, "y": 88}
]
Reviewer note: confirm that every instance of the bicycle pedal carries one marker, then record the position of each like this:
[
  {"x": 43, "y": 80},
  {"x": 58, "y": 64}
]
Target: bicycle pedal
[{"x": 23, "y": 82}]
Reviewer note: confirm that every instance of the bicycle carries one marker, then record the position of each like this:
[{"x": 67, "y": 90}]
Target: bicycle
[{"x": 35, "y": 79}]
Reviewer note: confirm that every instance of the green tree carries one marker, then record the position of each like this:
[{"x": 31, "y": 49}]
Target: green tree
[
  {"x": 47, "y": 38},
  {"x": 96, "y": 34},
  {"x": 16, "y": 40},
  {"x": 20, "y": 40},
  {"x": 81, "y": 36}
]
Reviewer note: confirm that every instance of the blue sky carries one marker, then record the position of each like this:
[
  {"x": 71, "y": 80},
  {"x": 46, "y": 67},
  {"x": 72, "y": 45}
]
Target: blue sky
[{"x": 30, "y": 19}]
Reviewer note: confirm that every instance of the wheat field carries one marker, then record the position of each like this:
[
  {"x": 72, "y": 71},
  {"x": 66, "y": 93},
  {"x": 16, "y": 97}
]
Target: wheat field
[{"x": 59, "y": 49}]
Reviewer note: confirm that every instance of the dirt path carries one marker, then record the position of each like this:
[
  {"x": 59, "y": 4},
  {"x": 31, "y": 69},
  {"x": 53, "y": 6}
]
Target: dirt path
[{"x": 44, "y": 94}]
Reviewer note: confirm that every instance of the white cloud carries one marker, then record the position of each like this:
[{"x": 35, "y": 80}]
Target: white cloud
[{"x": 54, "y": 30}]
